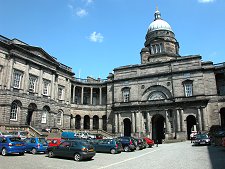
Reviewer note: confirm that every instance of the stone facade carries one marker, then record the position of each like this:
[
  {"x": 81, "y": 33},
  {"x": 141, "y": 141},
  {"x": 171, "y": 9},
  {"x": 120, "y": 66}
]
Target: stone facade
[{"x": 164, "y": 97}]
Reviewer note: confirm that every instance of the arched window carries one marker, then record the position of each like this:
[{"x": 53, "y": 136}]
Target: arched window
[
  {"x": 60, "y": 117},
  {"x": 14, "y": 111},
  {"x": 44, "y": 115},
  {"x": 126, "y": 94},
  {"x": 157, "y": 95}
]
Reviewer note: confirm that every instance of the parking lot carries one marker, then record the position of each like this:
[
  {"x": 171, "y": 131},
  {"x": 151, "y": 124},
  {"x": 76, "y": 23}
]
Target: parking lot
[{"x": 170, "y": 156}]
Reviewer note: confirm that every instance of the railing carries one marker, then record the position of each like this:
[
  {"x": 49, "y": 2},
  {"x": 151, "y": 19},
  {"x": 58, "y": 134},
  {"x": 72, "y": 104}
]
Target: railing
[
  {"x": 65, "y": 67},
  {"x": 91, "y": 80},
  {"x": 4, "y": 39}
]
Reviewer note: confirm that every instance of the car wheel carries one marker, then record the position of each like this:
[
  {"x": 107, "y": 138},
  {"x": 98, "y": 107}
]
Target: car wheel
[
  {"x": 50, "y": 154},
  {"x": 21, "y": 154},
  {"x": 150, "y": 146},
  {"x": 77, "y": 157},
  {"x": 126, "y": 148},
  {"x": 33, "y": 151},
  {"x": 137, "y": 148},
  {"x": 4, "y": 152},
  {"x": 113, "y": 151}
]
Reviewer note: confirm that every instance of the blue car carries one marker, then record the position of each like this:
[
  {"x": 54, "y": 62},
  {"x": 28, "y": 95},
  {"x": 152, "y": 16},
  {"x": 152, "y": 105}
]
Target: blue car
[
  {"x": 11, "y": 145},
  {"x": 35, "y": 145}
]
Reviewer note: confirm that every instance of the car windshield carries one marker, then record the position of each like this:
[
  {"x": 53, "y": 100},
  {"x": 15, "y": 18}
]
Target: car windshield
[
  {"x": 202, "y": 136},
  {"x": 13, "y": 139},
  {"x": 42, "y": 140},
  {"x": 23, "y": 133}
]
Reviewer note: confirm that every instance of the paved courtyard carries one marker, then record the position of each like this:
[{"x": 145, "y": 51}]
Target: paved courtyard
[{"x": 166, "y": 156}]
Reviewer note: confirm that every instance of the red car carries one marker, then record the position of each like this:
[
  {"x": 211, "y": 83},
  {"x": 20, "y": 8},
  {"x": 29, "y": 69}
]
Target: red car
[
  {"x": 149, "y": 141},
  {"x": 53, "y": 142}
]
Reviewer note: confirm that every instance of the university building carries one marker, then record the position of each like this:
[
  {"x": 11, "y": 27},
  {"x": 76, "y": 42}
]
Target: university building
[{"x": 163, "y": 97}]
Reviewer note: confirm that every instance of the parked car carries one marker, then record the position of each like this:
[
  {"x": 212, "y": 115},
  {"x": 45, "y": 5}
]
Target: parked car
[
  {"x": 149, "y": 141},
  {"x": 112, "y": 146},
  {"x": 140, "y": 144},
  {"x": 11, "y": 145},
  {"x": 128, "y": 143},
  {"x": 202, "y": 139},
  {"x": 85, "y": 135},
  {"x": 35, "y": 145},
  {"x": 76, "y": 149},
  {"x": 22, "y": 134},
  {"x": 54, "y": 141}
]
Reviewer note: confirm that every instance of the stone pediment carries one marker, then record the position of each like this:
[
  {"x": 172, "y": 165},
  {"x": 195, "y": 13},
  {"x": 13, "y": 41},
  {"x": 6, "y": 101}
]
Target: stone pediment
[{"x": 39, "y": 52}]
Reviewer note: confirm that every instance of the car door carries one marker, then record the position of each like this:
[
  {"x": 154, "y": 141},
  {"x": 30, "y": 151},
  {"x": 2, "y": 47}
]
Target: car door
[
  {"x": 27, "y": 144},
  {"x": 63, "y": 149}
]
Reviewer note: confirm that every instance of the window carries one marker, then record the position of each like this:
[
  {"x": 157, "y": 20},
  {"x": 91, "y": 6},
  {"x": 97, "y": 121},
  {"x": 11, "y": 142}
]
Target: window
[
  {"x": 60, "y": 92},
  {"x": 46, "y": 85},
  {"x": 126, "y": 94},
  {"x": 157, "y": 95},
  {"x": 17, "y": 78},
  {"x": 32, "y": 83},
  {"x": 14, "y": 111},
  {"x": 59, "y": 117},
  {"x": 44, "y": 116},
  {"x": 188, "y": 88}
]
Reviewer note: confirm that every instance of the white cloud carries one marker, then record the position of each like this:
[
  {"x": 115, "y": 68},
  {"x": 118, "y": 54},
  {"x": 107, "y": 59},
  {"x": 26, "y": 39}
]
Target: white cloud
[
  {"x": 205, "y": 1},
  {"x": 88, "y": 1},
  {"x": 81, "y": 12},
  {"x": 96, "y": 37}
]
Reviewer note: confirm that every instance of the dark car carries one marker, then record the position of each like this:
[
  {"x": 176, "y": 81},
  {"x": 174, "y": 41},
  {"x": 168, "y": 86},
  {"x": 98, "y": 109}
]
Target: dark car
[
  {"x": 202, "y": 139},
  {"x": 128, "y": 143},
  {"x": 11, "y": 145},
  {"x": 35, "y": 145},
  {"x": 76, "y": 149},
  {"x": 140, "y": 143},
  {"x": 112, "y": 146}
]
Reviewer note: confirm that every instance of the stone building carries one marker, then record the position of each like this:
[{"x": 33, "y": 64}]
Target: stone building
[{"x": 163, "y": 97}]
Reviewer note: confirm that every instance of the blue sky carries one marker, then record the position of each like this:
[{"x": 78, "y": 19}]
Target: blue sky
[{"x": 96, "y": 36}]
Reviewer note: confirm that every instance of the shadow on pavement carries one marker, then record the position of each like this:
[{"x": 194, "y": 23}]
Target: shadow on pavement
[{"x": 217, "y": 156}]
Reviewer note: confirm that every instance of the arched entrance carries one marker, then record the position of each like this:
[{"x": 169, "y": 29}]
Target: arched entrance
[
  {"x": 191, "y": 122},
  {"x": 77, "y": 121},
  {"x": 31, "y": 108},
  {"x": 127, "y": 127},
  {"x": 222, "y": 117},
  {"x": 95, "y": 122},
  {"x": 86, "y": 122},
  {"x": 104, "y": 119},
  {"x": 158, "y": 131}
]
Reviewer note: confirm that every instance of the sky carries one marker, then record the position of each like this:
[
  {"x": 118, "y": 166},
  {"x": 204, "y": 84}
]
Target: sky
[{"x": 95, "y": 36}]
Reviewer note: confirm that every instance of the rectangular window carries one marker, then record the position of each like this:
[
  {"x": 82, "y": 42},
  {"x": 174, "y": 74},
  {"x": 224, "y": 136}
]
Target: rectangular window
[
  {"x": 46, "y": 85},
  {"x": 32, "y": 83},
  {"x": 188, "y": 89},
  {"x": 44, "y": 117},
  {"x": 126, "y": 95},
  {"x": 17, "y": 78},
  {"x": 60, "y": 92}
]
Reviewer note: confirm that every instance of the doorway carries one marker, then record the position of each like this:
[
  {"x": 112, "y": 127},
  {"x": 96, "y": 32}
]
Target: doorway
[
  {"x": 191, "y": 123},
  {"x": 127, "y": 127},
  {"x": 158, "y": 130}
]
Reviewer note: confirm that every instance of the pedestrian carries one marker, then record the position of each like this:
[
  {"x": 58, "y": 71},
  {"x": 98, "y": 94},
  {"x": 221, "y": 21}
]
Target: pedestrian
[
  {"x": 157, "y": 144},
  {"x": 191, "y": 137}
]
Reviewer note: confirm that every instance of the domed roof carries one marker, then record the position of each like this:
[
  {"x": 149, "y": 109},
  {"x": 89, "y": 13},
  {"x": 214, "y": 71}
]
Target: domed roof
[{"x": 159, "y": 24}]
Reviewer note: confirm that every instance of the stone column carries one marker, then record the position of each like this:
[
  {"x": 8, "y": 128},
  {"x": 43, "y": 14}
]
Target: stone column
[
  {"x": 204, "y": 119},
  {"x": 69, "y": 91},
  {"x": 138, "y": 122},
  {"x": 91, "y": 97},
  {"x": 73, "y": 123},
  {"x": 178, "y": 120},
  {"x": 82, "y": 95},
  {"x": 182, "y": 119},
  {"x": 119, "y": 123},
  {"x": 40, "y": 83},
  {"x": 100, "y": 124},
  {"x": 133, "y": 122},
  {"x": 168, "y": 128},
  {"x": 53, "y": 87},
  {"x": 116, "y": 123},
  {"x": 9, "y": 73},
  {"x": 199, "y": 119},
  {"x": 74, "y": 93},
  {"x": 100, "y": 96},
  {"x": 91, "y": 123},
  {"x": 82, "y": 123},
  {"x": 26, "y": 80}
]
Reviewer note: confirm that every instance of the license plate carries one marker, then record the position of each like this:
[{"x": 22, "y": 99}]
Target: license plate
[
  {"x": 91, "y": 150},
  {"x": 202, "y": 143},
  {"x": 18, "y": 144}
]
